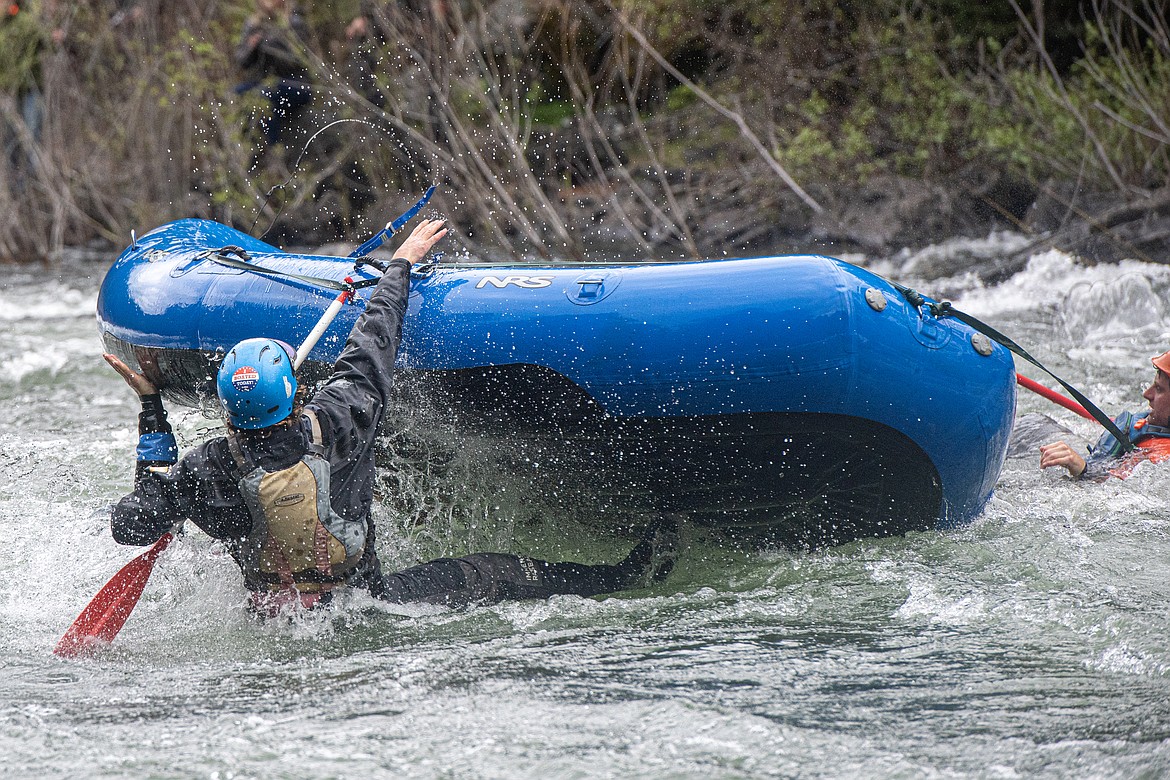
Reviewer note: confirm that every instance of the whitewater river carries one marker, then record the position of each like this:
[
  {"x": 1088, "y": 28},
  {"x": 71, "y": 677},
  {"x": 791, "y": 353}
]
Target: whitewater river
[{"x": 1032, "y": 644}]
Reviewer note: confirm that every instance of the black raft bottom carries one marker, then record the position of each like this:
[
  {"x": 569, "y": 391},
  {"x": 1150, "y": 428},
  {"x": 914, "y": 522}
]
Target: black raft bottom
[{"x": 798, "y": 480}]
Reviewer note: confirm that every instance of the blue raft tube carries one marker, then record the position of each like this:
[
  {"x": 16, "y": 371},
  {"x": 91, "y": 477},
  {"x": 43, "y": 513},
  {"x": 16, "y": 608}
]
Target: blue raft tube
[{"x": 798, "y": 400}]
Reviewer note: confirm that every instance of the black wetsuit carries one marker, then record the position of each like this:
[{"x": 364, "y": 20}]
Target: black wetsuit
[{"x": 202, "y": 486}]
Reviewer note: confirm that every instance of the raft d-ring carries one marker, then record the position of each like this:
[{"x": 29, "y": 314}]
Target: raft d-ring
[
  {"x": 982, "y": 344},
  {"x": 593, "y": 287},
  {"x": 876, "y": 299}
]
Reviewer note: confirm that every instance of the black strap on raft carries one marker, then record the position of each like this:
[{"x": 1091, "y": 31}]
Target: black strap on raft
[
  {"x": 221, "y": 257},
  {"x": 945, "y": 309}
]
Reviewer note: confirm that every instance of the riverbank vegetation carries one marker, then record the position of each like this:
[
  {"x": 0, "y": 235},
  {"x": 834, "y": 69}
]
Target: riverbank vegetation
[{"x": 601, "y": 128}]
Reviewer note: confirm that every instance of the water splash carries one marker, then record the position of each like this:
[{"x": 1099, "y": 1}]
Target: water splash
[{"x": 1030, "y": 643}]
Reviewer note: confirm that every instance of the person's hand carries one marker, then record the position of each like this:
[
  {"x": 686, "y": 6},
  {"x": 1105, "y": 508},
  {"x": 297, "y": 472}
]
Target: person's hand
[
  {"x": 1060, "y": 454},
  {"x": 138, "y": 383},
  {"x": 418, "y": 243}
]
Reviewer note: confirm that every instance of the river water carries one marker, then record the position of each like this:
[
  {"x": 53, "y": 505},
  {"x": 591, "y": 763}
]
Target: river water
[{"x": 1033, "y": 643}]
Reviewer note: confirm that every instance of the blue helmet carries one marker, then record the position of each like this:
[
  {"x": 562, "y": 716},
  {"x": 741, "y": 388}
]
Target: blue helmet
[{"x": 256, "y": 384}]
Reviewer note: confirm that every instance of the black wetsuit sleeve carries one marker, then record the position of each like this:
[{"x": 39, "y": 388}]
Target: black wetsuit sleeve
[
  {"x": 489, "y": 578},
  {"x": 1103, "y": 456},
  {"x": 153, "y": 417},
  {"x": 1097, "y": 468},
  {"x": 356, "y": 393},
  {"x": 369, "y": 354},
  {"x": 152, "y": 509}
]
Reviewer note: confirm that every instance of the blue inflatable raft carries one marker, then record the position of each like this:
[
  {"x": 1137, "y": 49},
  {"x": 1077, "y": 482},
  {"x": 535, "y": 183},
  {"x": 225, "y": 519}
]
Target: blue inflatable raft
[{"x": 796, "y": 399}]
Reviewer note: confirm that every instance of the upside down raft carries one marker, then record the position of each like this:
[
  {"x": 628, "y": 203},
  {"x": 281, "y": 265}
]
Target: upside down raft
[{"x": 794, "y": 399}]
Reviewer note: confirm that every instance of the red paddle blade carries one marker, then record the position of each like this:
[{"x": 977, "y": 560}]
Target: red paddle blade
[{"x": 107, "y": 612}]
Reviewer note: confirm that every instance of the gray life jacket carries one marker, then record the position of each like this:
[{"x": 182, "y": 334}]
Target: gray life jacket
[{"x": 297, "y": 540}]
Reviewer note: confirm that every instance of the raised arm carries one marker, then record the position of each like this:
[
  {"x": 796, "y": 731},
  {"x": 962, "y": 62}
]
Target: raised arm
[{"x": 367, "y": 362}]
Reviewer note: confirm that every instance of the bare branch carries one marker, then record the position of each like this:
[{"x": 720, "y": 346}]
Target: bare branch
[{"x": 706, "y": 97}]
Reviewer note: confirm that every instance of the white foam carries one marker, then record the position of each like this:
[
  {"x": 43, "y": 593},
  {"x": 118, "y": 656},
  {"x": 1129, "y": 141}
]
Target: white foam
[
  {"x": 925, "y": 601},
  {"x": 1126, "y": 660},
  {"x": 17, "y": 368},
  {"x": 1051, "y": 277},
  {"x": 42, "y": 358},
  {"x": 54, "y": 301},
  {"x": 960, "y": 253}
]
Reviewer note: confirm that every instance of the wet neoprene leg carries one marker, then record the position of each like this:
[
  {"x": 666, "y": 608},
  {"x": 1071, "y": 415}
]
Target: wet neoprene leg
[{"x": 494, "y": 577}]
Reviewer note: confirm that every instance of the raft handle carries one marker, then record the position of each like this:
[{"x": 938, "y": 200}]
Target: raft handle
[
  {"x": 945, "y": 309},
  {"x": 235, "y": 250}
]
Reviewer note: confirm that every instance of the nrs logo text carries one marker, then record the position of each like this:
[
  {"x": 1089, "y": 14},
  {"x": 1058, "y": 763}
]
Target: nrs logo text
[{"x": 527, "y": 282}]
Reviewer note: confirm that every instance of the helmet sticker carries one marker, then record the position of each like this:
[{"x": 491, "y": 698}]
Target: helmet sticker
[{"x": 245, "y": 378}]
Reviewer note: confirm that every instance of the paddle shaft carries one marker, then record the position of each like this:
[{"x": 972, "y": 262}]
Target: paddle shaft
[
  {"x": 322, "y": 325},
  {"x": 1053, "y": 396}
]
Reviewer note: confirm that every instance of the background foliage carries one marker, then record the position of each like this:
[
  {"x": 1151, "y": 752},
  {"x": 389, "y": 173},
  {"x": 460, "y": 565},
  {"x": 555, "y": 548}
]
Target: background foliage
[{"x": 587, "y": 127}]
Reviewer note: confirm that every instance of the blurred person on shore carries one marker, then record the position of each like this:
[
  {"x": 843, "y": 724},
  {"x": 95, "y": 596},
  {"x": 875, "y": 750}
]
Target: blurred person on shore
[
  {"x": 24, "y": 38},
  {"x": 272, "y": 58}
]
